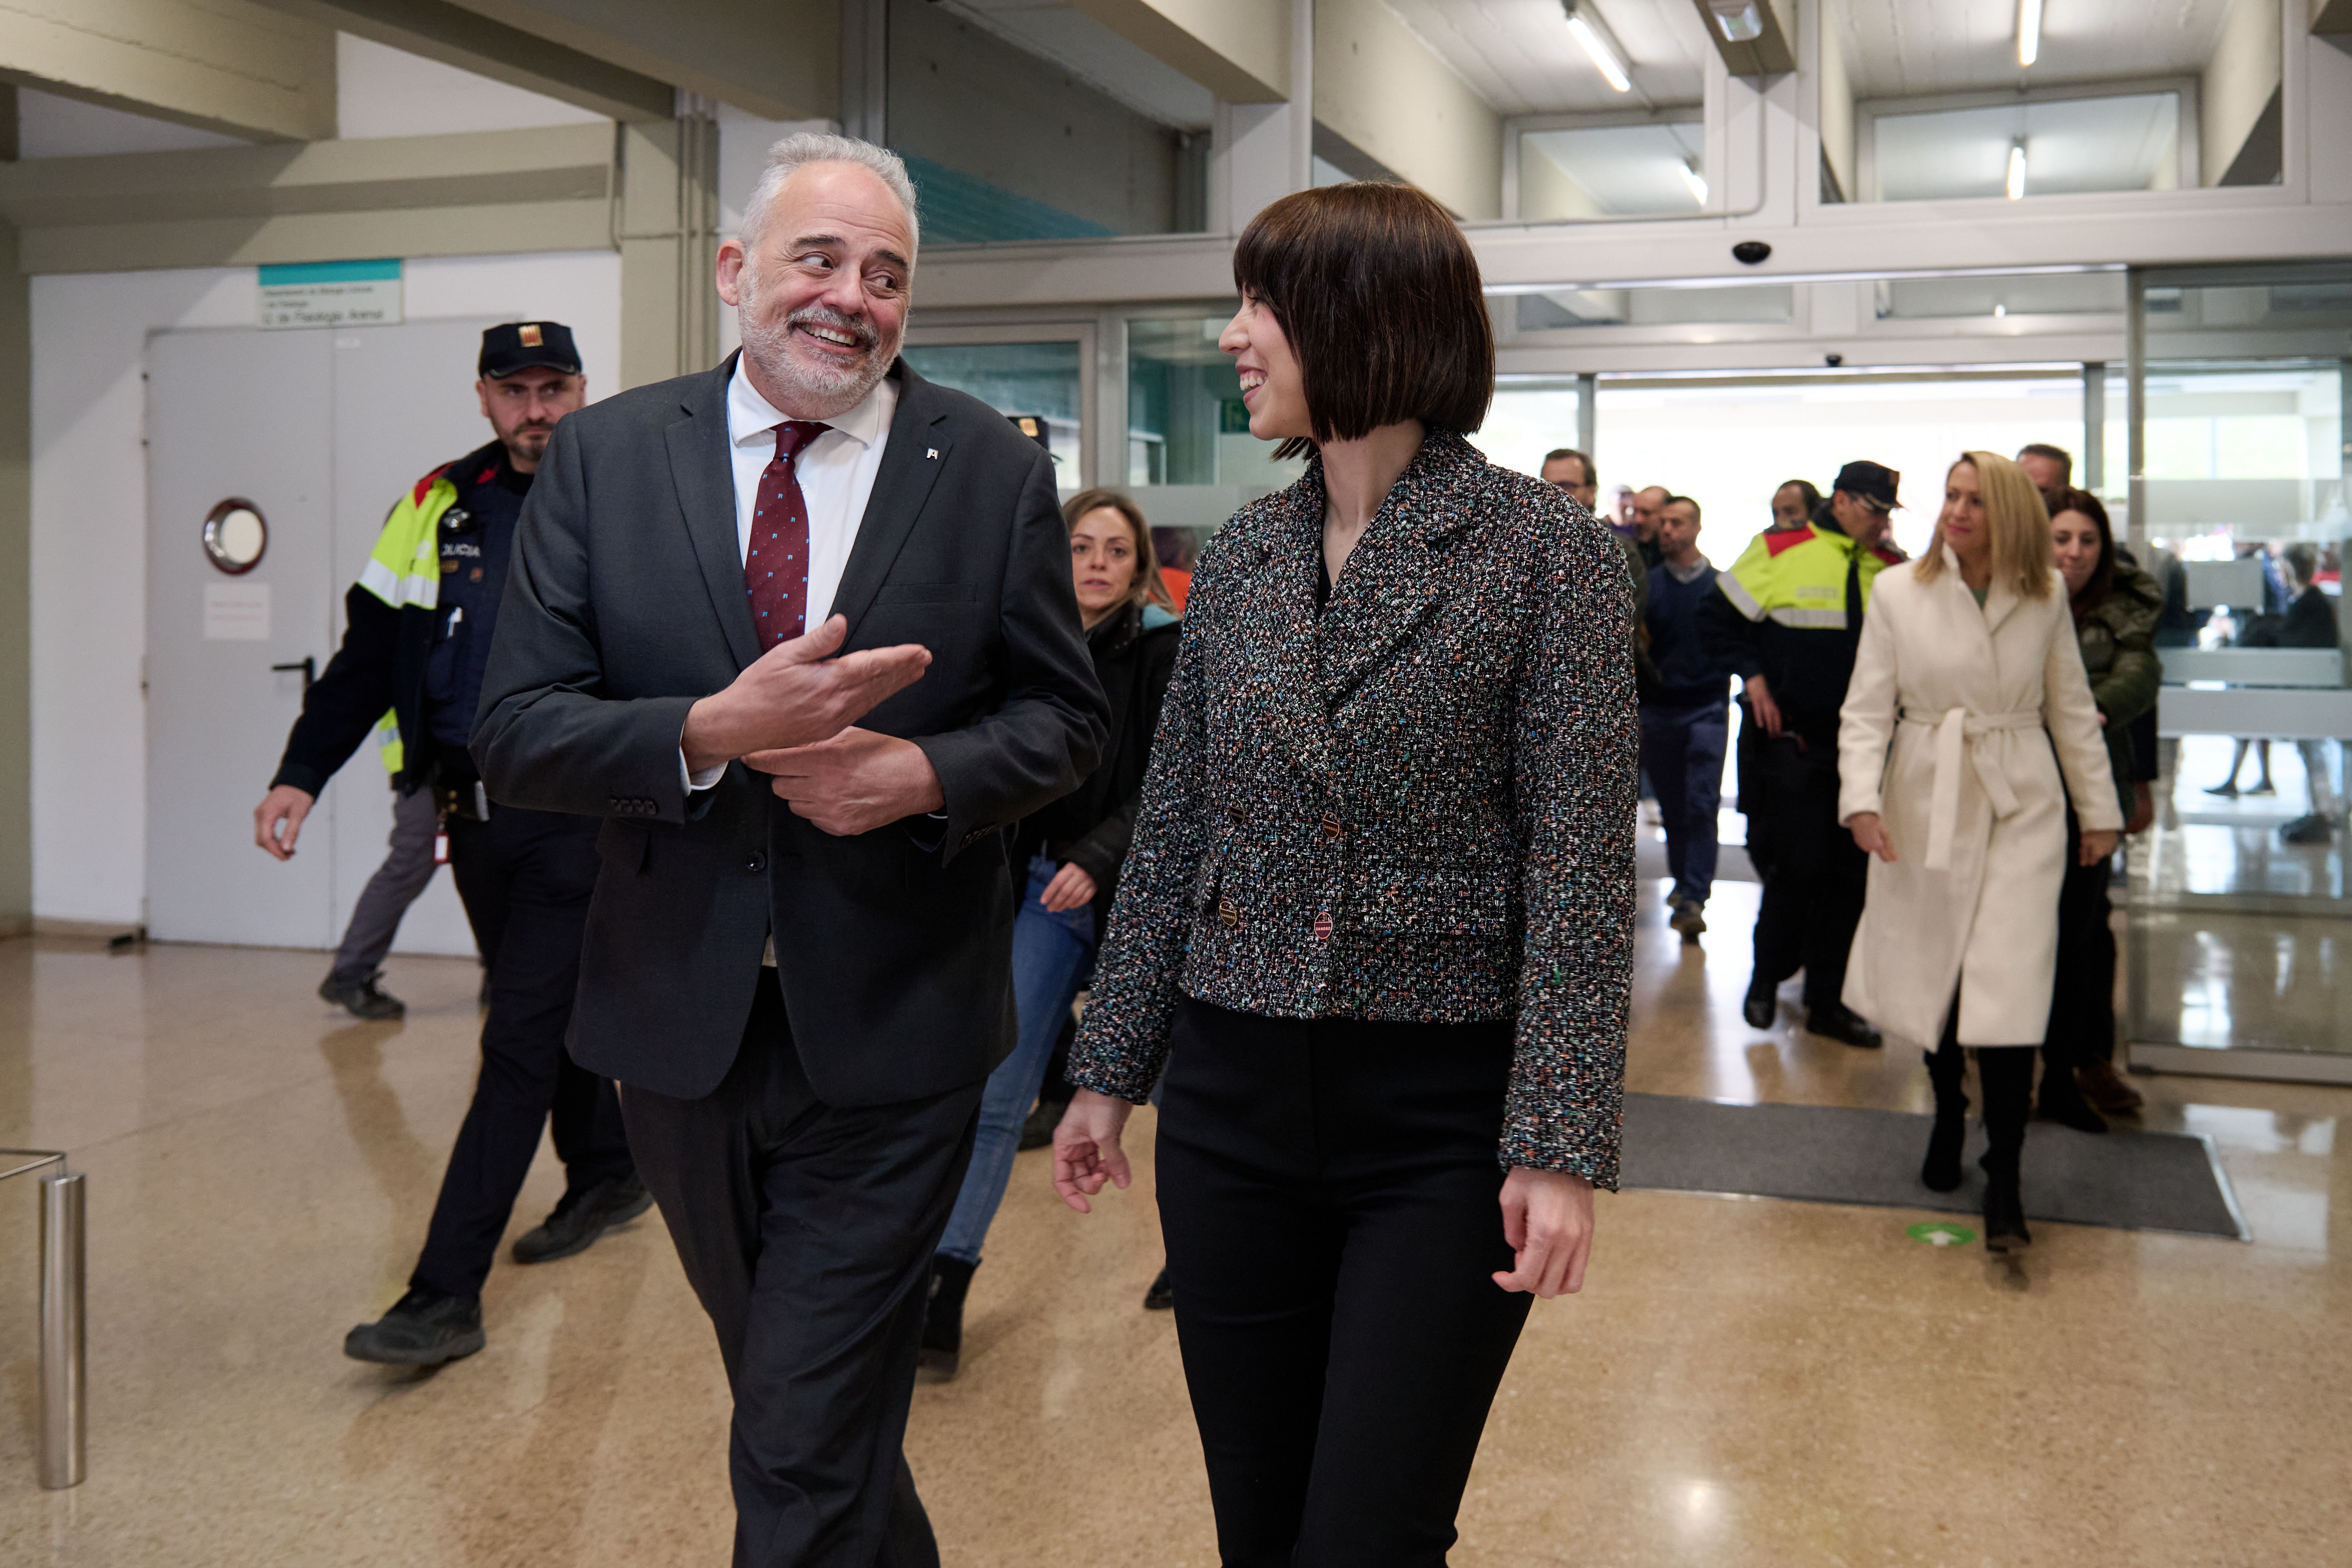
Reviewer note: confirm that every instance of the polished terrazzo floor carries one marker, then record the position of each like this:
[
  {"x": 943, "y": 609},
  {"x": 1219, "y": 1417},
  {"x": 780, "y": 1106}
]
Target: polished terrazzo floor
[{"x": 1742, "y": 1382}]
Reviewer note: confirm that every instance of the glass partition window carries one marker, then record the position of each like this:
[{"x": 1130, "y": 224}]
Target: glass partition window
[
  {"x": 2001, "y": 294},
  {"x": 2067, "y": 147},
  {"x": 1766, "y": 304},
  {"x": 1039, "y": 381},
  {"x": 1185, "y": 421},
  {"x": 1611, "y": 170}
]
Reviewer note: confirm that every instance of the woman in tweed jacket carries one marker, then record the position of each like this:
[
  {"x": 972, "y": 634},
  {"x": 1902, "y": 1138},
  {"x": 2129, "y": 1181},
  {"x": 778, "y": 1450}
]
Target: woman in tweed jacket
[{"x": 1376, "y": 921}]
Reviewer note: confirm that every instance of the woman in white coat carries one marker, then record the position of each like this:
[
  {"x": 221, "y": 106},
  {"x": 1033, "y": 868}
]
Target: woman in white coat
[{"x": 1968, "y": 699}]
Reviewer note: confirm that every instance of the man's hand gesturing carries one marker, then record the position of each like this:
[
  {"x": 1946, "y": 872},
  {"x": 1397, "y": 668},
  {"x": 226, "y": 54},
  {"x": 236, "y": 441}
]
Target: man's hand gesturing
[{"x": 797, "y": 693}]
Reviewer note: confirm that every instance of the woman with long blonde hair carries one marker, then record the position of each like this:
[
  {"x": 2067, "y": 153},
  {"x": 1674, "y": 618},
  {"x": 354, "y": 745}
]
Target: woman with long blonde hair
[{"x": 1969, "y": 703}]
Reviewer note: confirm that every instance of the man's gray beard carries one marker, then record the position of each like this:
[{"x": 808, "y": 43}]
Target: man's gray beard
[{"x": 824, "y": 393}]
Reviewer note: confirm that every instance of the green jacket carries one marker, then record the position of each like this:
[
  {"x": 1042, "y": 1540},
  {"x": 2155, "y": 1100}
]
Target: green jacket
[{"x": 2119, "y": 656}]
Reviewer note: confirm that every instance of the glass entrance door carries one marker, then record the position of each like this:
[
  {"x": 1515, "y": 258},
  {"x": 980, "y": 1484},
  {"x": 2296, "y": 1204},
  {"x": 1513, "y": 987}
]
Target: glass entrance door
[{"x": 2240, "y": 919}]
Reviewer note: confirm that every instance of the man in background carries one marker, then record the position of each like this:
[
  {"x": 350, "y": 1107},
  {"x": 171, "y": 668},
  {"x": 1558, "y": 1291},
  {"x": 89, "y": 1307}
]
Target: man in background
[
  {"x": 1788, "y": 621},
  {"x": 1569, "y": 471},
  {"x": 2052, "y": 469},
  {"x": 1686, "y": 723},
  {"x": 1648, "y": 507},
  {"x": 420, "y": 621}
]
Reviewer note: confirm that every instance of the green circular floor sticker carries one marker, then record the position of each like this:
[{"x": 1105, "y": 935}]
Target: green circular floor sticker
[{"x": 1940, "y": 1233}]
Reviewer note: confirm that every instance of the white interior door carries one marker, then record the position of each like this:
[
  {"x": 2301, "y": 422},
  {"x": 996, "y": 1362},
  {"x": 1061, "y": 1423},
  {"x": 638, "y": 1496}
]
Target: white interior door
[
  {"x": 245, "y": 414},
  {"x": 323, "y": 431},
  {"x": 405, "y": 405}
]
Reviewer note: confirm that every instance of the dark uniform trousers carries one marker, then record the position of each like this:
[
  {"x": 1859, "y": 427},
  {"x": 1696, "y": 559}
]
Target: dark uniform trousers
[
  {"x": 806, "y": 1230},
  {"x": 525, "y": 878},
  {"x": 2083, "y": 1000},
  {"x": 1814, "y": 875}
]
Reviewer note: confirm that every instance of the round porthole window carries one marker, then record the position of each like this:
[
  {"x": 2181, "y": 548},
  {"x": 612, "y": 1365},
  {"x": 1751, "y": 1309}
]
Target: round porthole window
[{"x": 236, "y": 535}]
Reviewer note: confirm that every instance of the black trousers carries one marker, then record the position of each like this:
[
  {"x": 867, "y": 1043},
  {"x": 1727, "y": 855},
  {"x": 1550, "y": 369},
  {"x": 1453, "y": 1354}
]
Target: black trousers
[
  {"x": 525, "y": 878},
  {"x": 2004, "y": 1073},
  {"x": 806, "y": 1230},
  {"x": 2083, "y": 996},
  {"x": 1327, "y": 1191},
  {"x": 1815, "y": 876}
]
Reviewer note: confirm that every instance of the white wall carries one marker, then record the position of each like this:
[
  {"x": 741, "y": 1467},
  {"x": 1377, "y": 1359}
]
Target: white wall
[
  {"x": 383, "y": 91},
  {"x": 90, "y": 526}
]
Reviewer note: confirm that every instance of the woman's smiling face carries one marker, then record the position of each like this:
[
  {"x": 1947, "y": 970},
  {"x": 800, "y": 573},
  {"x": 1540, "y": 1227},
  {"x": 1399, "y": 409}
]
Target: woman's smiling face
[{"x": 1273, "y": 388}]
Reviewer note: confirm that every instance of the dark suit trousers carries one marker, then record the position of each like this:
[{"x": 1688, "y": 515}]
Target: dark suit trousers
[
  {"x": 1327, "y": 1190},
  {"x": 806, "y": 1230},
  {"x": 2083, "y": 999},
  {"x": 1816, "y": 880},
  {"x": 525, "y": 878}
]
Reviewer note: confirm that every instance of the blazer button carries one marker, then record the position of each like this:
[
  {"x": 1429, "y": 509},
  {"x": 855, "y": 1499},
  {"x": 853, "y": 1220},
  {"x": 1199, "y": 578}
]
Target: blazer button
[
  {"x": 755, "y": 861},
  {"x": 1229, "y": 914},
  {"x": 1236, "y": 816},
  {"x": 1332, "y": 828}
]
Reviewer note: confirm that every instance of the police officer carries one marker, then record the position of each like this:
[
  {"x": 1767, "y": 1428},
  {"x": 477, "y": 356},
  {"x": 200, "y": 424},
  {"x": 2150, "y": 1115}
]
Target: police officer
[
  {"x": 1787, "y": 622},
  {"x": 419, "y": 626}
]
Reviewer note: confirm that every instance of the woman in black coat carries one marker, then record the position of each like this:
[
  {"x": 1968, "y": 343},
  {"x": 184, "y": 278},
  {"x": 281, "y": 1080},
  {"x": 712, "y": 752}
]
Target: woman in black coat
[
  {"x": 1073, "y": 849},
  {"x": 1377, "y": 920}
]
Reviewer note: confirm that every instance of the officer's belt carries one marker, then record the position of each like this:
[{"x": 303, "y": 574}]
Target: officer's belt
[{"x": 1957, "y": 729}]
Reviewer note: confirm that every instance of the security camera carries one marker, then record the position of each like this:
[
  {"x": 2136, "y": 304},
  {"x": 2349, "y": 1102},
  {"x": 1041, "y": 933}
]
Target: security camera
[
  {"x": 1833, "y": 360},
  {"x": 1752, "y": 252}
]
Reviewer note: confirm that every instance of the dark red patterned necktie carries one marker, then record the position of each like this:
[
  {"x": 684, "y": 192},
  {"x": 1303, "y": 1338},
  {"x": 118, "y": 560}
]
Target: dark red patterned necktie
[{"x": 775, "y": 568}]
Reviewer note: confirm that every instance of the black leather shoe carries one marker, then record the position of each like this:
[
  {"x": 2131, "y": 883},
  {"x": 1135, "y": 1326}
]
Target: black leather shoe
[
  {"x": 942, "y": 1355},
  {"x": 363, "y": 999},
  {"x": 423, "y": 1328},
  {"x": 1037, "y": 1132},
  {"x": 2069, "y": 1108},
  {"x": 1842, "y": 1024},
  {"x": 580, "y": 1217},
  {"x": 1162, "y": 1297},
  {"x": 1940, "y": 1171},
  {"x": 1762, "y": 1005}
]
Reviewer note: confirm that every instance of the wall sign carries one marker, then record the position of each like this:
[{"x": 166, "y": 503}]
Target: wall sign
[
  {"x": 236, "y": 612},
  {"x": 332, "y": 294}
]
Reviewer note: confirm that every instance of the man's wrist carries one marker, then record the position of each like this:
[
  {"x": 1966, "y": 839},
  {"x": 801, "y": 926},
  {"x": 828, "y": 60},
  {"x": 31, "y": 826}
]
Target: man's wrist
[{"x": 703, "y": 742}]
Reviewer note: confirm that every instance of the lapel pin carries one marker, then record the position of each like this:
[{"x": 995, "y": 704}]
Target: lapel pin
[{"x": 931, "y": 451}]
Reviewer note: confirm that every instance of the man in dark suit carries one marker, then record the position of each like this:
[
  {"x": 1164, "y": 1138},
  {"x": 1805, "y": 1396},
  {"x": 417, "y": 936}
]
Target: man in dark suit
[{"x": 797, "y": 958}]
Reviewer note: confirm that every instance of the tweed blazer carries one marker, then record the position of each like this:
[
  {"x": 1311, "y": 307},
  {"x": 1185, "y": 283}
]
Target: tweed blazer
[{"x": 1416, "y": 806}]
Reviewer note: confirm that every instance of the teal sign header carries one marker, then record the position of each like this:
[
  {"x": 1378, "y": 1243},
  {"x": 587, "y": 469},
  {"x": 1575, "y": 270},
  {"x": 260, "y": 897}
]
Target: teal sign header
[{"x": 308, "y": 272}]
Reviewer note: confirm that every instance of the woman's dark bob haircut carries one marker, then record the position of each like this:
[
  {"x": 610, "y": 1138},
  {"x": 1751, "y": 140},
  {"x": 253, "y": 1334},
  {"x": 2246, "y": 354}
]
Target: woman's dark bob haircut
[{"x": 1377, "y": 290}]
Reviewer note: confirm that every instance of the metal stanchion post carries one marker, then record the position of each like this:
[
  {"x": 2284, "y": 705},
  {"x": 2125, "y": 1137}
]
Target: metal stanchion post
[{"x": 62, "y": 1386}]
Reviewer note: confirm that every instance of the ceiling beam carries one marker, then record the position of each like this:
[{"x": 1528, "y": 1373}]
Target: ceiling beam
[
  {"x": 227, "y": 66},
  {"x": 548, "y": 188},
  {"x": 1388, "y": 95},
  {"x": 778, "y": 59},
  {"x": 1767, "y": 53},
  {"x": 1238, "y": 50},
  {"x": 472, "y": 42},
  {"x": 2332, "y": 20}
]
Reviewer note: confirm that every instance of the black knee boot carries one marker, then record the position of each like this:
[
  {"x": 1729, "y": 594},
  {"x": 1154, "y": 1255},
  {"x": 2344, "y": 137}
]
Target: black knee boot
[
  {"x": 943, "y": 1349},
  {"x": 1946, "y": 1067},
  {"x": 2007, "y": 1074}
]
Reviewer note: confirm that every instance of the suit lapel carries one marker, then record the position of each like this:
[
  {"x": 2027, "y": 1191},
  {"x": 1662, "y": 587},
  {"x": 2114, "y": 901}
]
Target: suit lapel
[
  {"x": 702, "y": 468},
  {"x": 917, "y": 453},
  {"x": 1280, "y": 671},
  {"x": 1394, "y": 576}
]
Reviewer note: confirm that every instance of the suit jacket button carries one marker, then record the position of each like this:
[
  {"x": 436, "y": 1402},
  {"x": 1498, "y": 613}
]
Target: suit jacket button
[
  {"x": 755, "y": 861},
  {"x": 1229, "y": 914},
  {"x": 1332, "y": 828},
  {"x": 1236, "y": 816}
]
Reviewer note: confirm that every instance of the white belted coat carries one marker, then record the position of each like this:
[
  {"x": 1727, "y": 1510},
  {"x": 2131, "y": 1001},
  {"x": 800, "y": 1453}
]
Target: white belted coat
[{"x": 1948, "y": 732}]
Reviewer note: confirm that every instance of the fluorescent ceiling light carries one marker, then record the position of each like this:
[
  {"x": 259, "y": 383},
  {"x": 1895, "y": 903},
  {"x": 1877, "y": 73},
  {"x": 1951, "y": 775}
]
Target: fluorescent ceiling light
[
  {"x": 1696, "y": 181},
  {"x": 1738, "y": 21},
  {"x": 2029, "y": 31},
  {"x": 2017, "y": 169},
  {"x": 1586, "y": 31}
]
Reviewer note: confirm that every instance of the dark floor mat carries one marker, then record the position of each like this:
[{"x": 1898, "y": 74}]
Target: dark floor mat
[{"x": 1837, "y": 1154}]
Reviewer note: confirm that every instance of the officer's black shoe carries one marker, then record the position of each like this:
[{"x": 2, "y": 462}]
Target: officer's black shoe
[
  {"x": 1162, "y": 1297},
  {"x": 943, "y": 1349},
  {"x": 423, "y": 1328},
  {"x": 1762, "y": 1005},
  {"x": 1840, "y": 1023},
  {"x": 2067, "y": 1107},
  {"x": 581, "y": 1216},
  {"x": 2312, "y": 828},
  {"x": 363, "y": 998}
]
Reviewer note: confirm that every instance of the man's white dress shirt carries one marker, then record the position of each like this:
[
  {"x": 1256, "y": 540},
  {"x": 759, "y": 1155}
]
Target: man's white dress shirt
[{"x": 836, "y": 473}]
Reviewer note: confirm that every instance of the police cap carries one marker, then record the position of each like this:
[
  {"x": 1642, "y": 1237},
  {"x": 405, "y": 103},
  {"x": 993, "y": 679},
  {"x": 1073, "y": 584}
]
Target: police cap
[
  {"x": 1871, "y": 482},
  {"x": 519, "y": 345}
]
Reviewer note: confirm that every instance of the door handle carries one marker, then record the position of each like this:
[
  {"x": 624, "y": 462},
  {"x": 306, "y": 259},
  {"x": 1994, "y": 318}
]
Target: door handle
[{"x": 308, "y": 666}]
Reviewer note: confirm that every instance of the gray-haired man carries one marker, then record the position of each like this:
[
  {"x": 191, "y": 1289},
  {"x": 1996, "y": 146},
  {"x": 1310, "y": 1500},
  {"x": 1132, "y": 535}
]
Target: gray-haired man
[{"x": 798, "y": 956}]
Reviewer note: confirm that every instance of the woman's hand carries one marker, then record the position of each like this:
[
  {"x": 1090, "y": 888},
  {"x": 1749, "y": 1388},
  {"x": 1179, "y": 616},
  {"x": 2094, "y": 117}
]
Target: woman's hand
[
  {"x": 1548, "y": 1220},
  {"x": 1070, "y": 889},
  {"x": 2099, "y": 843},
  {"x": 1085, "y": 1147},
  {"x": 2143, "y": 808},
  {"x": 1870, "y": 835}
]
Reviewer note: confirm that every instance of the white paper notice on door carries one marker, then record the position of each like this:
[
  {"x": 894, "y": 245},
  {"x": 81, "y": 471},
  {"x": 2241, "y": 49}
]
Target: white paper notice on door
[{"x": 236, "y": 612}]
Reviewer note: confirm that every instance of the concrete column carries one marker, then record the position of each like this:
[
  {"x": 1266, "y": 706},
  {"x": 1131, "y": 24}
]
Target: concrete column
[
  {"x": 669, "y": 237},
  {"x": 16, "y": 582},
  {"x": 1259, "y": 151}
]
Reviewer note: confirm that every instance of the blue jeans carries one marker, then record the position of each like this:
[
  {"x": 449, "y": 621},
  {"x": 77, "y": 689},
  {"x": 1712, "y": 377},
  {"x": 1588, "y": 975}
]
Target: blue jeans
[
  {"x": 1682, "y": 750},
  {"x": 1053, "y": 954}
]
